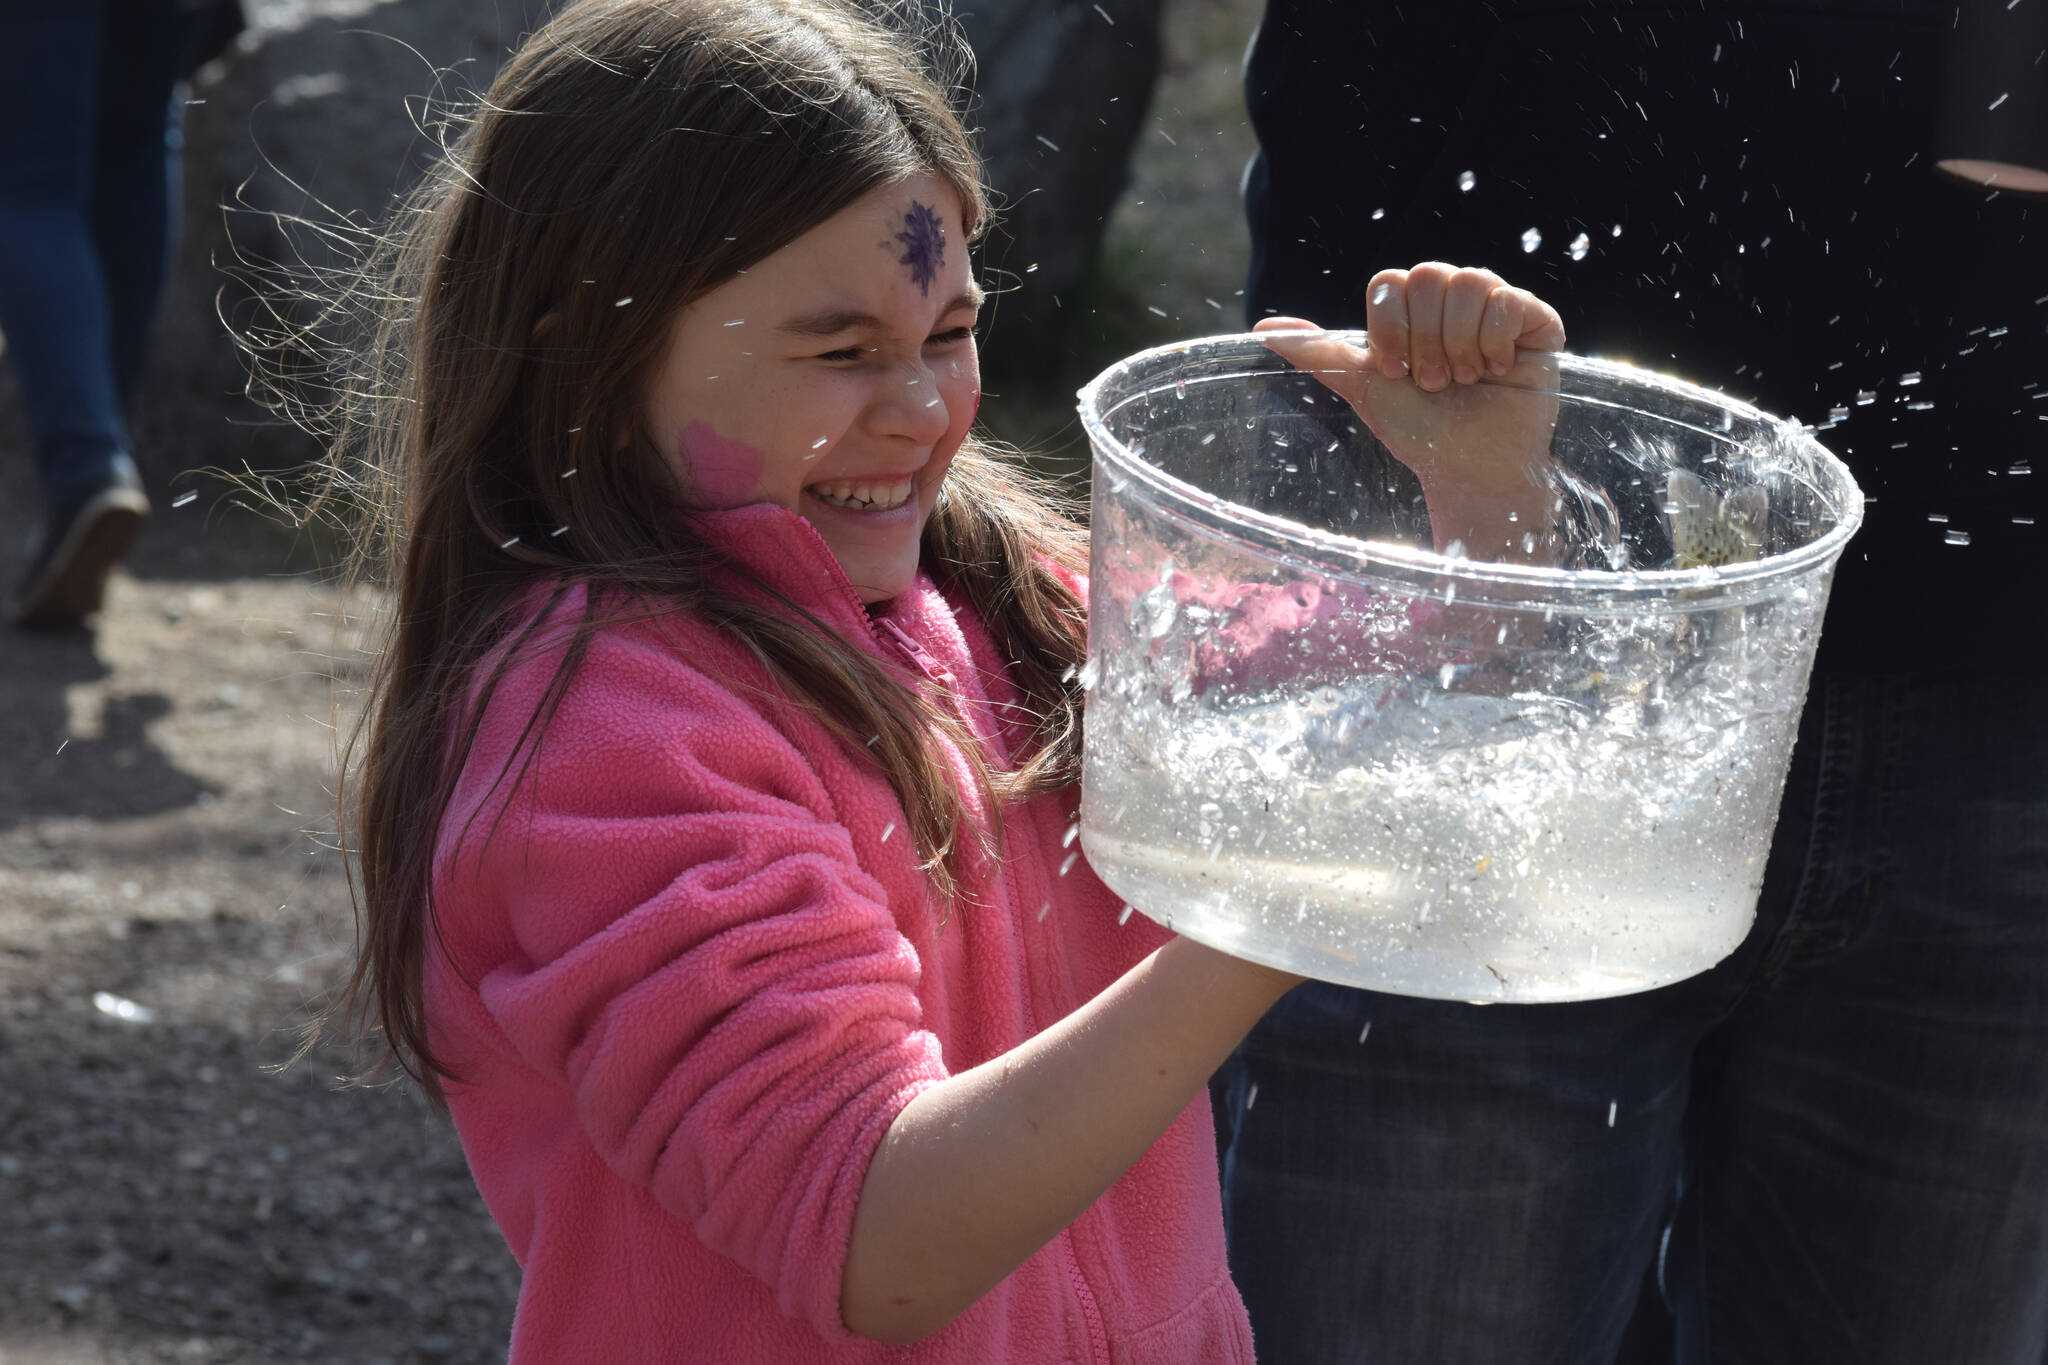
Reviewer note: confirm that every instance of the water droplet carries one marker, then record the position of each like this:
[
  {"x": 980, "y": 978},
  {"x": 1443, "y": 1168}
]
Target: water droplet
[
  {"x": 1531, "y": 239},
  {"x": 1617, "y": 230},
  {"x": 185, "y": 499},
  {"x": 1909, "y": 379},
  {"x": 1466, "y": 180},
  {"x": 1954, "y": 537},
  {"x": 569, "y": 471},
  {"x": 889, "y": 830},
  {"x": 1865, "y": 397},
  {"x": 127, "y": 1011},
  {"x": 1367, "y": 1029},
  {"x": 510, "y": 543},
  {"x": 1047, "y": 141},
  {"x": 1126, "y": 914},
  {"x": 735, "y": 322},
  {"x": 1067, "y": 863},
  {"x": 1613, "y": 1106},
  {"x": 621, "y": 303},
  {"x": 1581, "y": 244},
  {"x": 557, "y": 531},
  {"x": 1378, "y": 214}
]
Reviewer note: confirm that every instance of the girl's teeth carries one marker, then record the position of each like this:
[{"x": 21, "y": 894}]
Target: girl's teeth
[{"x": 864, "y": 496}]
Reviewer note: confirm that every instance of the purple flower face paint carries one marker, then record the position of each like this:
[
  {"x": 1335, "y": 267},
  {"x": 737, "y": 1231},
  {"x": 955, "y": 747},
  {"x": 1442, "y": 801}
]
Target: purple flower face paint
[{"x": 924, "y": 245}]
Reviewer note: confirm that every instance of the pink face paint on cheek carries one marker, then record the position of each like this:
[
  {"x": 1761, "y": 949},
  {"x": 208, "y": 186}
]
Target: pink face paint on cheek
[{"x": 720, "y": 472}]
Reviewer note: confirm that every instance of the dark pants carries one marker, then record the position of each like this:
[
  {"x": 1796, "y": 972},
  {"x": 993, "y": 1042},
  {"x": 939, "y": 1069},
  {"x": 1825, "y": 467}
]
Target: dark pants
[
  {"x": 1855, "y": 1103},
  {"x": 89, "y": 140}
]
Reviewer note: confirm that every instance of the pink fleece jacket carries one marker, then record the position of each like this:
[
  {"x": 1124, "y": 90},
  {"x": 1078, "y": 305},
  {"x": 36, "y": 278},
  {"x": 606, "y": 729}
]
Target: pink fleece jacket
[{"x": 689, "y": 972}]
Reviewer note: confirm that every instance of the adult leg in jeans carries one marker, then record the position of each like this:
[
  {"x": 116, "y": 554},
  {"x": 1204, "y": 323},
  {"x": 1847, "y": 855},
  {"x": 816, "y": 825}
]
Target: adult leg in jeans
[
  {"x": 54, "y": 304},
  {"x": 88, "y": 145},
  {"x": 138, "y": 143},
  {"x": 1872, "y": 1169}
]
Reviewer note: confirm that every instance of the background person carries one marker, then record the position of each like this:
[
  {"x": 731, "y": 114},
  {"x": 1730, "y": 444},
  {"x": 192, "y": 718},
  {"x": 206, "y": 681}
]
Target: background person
[
  {"x": 89, "y": 198},
  {"x": 1851, "y": 1113}
]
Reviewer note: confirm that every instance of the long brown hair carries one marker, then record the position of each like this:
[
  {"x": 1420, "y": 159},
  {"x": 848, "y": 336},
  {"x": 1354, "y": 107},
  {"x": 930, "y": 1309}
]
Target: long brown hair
[{"x": 641, "y": 150}]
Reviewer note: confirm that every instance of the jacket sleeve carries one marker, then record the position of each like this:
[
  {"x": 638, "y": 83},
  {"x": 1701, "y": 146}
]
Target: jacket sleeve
[{"x": 690, "y": 947}]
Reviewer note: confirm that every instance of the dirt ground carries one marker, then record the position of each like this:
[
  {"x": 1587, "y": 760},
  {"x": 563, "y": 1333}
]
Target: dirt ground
[{"x": 172, "y": 905}]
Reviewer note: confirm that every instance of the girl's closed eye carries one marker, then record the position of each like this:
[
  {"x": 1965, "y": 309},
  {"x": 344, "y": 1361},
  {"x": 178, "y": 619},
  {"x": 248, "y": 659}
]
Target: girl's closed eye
[{"x": 951, "y": 337}]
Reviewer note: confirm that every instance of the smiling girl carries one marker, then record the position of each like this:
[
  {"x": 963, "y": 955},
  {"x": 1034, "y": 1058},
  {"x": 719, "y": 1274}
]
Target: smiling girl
[{"x": 716, "y": 801}]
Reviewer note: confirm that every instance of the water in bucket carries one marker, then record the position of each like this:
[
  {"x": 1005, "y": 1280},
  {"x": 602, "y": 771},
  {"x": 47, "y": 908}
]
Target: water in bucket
[{"x": 1539, "y": 759}]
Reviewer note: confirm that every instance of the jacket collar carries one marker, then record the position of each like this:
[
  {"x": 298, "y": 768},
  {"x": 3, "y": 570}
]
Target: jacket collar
[{"x": 785, "y": 552}]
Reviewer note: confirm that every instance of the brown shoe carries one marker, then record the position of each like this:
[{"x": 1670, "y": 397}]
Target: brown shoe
[{"x": 83, "y": 536}]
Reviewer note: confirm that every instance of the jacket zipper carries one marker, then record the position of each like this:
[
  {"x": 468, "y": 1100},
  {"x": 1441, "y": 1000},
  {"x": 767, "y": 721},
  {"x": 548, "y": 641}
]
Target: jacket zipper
[
  {"x": 885, "y": 633},
  {"x": 1091, "y": 1312}
]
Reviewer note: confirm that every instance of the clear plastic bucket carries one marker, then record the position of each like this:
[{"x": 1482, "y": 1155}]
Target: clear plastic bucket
[{"x": 1548, "y": 771}]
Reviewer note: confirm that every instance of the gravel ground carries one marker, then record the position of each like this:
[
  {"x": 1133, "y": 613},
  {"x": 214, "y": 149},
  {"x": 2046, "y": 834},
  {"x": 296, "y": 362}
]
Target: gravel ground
[{"x": 171, "y": 904}]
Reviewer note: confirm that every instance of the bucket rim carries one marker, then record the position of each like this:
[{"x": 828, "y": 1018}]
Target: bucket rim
[{"x": 1333, "y": 553}]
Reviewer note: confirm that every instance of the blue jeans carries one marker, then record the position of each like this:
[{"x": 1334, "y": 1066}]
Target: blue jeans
[
  {"x": 1833, "y": 1147},
  {"x": 89, "y": 142}
]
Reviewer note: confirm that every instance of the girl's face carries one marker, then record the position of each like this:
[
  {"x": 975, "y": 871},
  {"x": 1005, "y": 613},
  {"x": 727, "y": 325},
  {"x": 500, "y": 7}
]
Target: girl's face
[{"x": 835, "y": 377}]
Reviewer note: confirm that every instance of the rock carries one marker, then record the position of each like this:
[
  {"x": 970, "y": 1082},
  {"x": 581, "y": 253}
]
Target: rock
[
  {"x": 1063, "y": 87},
  {"x": 310, "y": 115}
]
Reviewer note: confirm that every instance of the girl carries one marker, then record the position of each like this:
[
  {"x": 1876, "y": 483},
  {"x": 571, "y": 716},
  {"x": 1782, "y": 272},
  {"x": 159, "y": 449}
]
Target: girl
[{"x": 716, "y": 803}]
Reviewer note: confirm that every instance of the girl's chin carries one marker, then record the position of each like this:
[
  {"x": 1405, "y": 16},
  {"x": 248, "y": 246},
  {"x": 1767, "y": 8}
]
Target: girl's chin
[{"x": 877, "y": 550}]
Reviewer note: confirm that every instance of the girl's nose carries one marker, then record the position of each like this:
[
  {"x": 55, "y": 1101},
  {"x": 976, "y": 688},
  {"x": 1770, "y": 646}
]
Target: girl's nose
[{"x": 912, "y": 405}]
